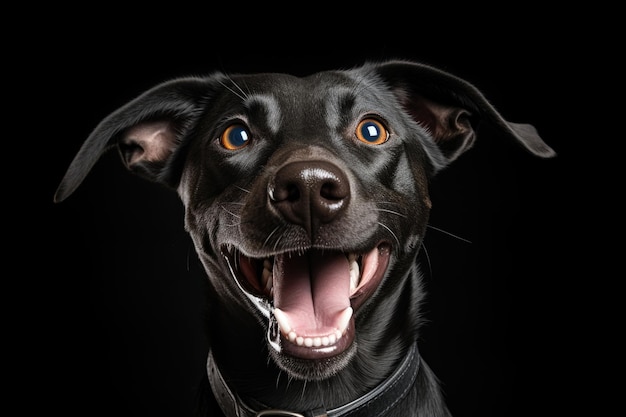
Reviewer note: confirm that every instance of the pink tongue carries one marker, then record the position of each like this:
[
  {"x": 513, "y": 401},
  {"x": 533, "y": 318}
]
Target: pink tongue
[{"x": 312, "y": 289}]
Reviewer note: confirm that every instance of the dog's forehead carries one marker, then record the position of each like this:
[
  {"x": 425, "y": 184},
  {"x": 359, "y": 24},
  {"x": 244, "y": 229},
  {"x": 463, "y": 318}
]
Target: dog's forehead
[
  {"x": 341, "y": 90},
  {"x": 283, "y": 84}
]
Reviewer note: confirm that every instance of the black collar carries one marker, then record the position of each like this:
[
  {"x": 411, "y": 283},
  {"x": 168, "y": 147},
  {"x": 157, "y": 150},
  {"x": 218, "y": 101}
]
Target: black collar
[{"x": 375, "y": 403}]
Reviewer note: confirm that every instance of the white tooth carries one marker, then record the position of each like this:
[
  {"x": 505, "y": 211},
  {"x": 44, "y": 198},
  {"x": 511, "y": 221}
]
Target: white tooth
[
  {"x": 352, "y": 257},
  {"x": 327, "y": 340},
  {"x": 267, "y": 264},
  {"x": 354, "y": 275},
  {"x": 266, "y": 278},
  {"x": 283, "y": 321},
  {"x": 269, "y": 285},
  {"x": 344, "y": 319}
]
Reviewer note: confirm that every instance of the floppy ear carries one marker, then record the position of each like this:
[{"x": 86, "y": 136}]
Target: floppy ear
[
  {"x": 147, "y": 131},
  {"x": 451, "y": 109}
]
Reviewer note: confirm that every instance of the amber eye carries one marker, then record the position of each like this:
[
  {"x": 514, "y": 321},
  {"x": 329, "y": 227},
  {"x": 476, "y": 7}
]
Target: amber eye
[
  {"x": 236, "y": 136},
  {"x": 372, "y": 131}
]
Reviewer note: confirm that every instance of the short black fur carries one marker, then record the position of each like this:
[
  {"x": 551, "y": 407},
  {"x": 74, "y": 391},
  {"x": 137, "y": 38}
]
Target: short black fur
[{"x": 302, "y": 190}]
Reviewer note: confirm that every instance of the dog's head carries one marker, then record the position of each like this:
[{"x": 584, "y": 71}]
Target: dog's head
[{"x": 306, "y": 198}]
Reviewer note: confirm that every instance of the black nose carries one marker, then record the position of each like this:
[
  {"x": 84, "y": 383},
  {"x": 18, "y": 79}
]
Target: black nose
[{"x": 309, "y": 193}]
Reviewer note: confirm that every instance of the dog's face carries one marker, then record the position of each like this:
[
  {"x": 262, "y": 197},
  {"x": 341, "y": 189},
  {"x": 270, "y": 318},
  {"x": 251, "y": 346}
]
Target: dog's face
[
  {"x": 306, "y": 198},
  {"x": 302, "y": 189}
]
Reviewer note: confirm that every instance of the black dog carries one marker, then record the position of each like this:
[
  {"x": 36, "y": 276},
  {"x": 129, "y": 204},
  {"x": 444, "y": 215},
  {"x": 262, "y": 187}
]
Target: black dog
[{"x": 307, "y": 201}]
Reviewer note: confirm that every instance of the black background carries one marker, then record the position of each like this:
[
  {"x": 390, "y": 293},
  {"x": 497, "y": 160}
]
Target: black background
[{"x": 110, "y": 295}]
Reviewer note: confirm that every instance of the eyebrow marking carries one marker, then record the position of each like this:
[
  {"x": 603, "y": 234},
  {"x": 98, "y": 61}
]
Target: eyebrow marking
[
  {"x": 271, "y": 106},
  {"x": 337, "y": 105}
]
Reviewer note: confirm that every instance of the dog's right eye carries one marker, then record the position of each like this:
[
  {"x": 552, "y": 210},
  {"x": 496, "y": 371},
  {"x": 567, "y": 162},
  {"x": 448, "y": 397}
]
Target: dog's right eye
[{"x": 235, "y": 136}]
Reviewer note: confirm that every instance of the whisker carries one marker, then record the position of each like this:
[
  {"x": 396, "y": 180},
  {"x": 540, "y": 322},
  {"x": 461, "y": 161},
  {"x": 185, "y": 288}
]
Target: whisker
[
  {"x": 387, "y": 202},
  {"x": 391, "y": 211},
  {"x": 241, "y": 95},
  {"x": 277, "y": 377},
  {"x": 289, "y": 380},
  {"x": 277, "y": 242},
  {"x": 430, "y": 267},
  {"x": 238, "y": 87},
  {"x": 269, "y": 236},
  {"x": 392, "y": 233},
  {"x": 242, "y": 189},
  {"x": 190, "y": 250},
  {"x": 303, "y": 389},
  {"x": 230, "y": 212},
  {"x": 449, "y": 234}
]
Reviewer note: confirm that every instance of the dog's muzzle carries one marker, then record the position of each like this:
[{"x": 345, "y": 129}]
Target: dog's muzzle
[{"x": 309, "y": 293}]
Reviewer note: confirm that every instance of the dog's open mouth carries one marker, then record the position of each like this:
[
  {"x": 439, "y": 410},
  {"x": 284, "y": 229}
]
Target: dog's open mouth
[{"x": 310, "y": 297}]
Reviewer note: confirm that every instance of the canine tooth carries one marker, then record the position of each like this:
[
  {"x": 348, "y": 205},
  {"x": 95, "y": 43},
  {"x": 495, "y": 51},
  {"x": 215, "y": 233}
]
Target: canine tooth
[
  {"x": 268, "y": 279},
  {"x": 283, "y": 321},
  {"x": 266, "y": 273},
  {"x": 355, "y": 274},
  {"x": 267, "y": 264},
  {"x": 344, "y": 319}
]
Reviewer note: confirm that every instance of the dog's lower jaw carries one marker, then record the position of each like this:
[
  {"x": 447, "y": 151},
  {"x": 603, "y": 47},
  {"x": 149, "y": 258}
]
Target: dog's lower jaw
[
  {"x": 314, "y": 370},
  {"x": 310, "y": 363},
  {"x": 305, "y": 347}
]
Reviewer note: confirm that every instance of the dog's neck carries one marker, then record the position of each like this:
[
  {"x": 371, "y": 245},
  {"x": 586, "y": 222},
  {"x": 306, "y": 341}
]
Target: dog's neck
[{"x": 377, "y": 401}]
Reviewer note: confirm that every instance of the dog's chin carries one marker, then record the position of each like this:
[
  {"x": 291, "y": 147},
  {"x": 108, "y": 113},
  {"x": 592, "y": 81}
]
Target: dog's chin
[
  {"x": 313, "y": 369},
  {"x": 309, "y": 300}
]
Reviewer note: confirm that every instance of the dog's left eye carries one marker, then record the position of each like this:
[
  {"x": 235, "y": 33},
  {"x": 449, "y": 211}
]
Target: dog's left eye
[
  {"x": 234, "y": 137},
  {"x": 372, "y": 131}
]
